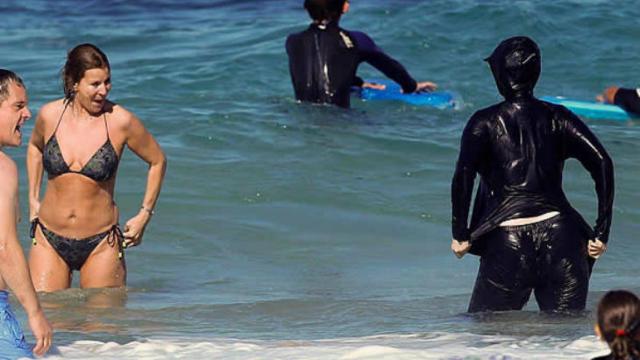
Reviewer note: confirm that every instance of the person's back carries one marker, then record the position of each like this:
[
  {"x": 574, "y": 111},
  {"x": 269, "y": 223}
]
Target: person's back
[
  {"x": 528, "y": 141},
  {"x": 525, "y": 145},
  {"x": 324, "y": 59},
  {"x": 618, "y": 323},
  {"x": 323, "y": 63}
]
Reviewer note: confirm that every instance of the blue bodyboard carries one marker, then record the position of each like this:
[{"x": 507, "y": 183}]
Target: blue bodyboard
[
  {"x": 591, "y": 109},
  {"x": 436, "y": 99}
]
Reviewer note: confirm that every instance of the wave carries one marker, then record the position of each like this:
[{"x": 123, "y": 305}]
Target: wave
[{"x": 396, "y": 347}]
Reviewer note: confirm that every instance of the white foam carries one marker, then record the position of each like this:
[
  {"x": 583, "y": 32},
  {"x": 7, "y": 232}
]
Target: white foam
[{"x": 387, "y": 347}]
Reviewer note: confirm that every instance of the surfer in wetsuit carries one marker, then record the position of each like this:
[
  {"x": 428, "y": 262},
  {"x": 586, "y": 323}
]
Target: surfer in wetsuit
[
  {"x": 323, "y": 59},
  {"x": 523, "y": 228},
  {"x": 628, "y": 99}
]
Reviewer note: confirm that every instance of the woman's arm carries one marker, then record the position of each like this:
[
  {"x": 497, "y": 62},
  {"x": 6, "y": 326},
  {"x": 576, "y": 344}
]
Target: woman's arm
[
  {"x": 389, "y": 66},
  {"x": 142, "y": 143},
  {"x": 582, "y": 144},
  {"x": 34, "y": 165},
  {"x": 472, "y": 149}
]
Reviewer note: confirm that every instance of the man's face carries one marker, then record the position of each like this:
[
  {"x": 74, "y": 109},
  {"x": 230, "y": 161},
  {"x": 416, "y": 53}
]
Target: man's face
[{"x": 14, "y": 111}]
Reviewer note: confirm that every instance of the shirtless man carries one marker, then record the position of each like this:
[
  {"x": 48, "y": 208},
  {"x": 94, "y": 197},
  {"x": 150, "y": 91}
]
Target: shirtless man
[{"x": 13, "y": 266}]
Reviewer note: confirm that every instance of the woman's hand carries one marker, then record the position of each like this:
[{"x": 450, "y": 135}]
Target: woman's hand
[
  {"x": 426, "y": 86},
  {"x": 134, "y": 228},
  {"x": 375, "y": 86},
  {"x": 596, "y": 248},
  {"x": 460, "y": 248},
  {"x": 34, "y": 209},
  {"x": 608, "y": 95}
]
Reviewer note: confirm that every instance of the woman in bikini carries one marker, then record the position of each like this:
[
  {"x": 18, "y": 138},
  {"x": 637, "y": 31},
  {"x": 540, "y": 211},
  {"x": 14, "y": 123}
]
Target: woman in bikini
[{"x": 78, "y": 141}]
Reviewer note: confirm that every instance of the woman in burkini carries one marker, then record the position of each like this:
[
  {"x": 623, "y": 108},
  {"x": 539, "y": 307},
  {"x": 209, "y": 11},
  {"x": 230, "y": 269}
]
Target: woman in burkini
[
  {"x": 78, "y": 141},
  {"x": 619, "y": 325},
  {"x": 527, "y": 234}
]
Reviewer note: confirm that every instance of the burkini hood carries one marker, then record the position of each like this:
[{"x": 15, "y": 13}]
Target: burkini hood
[{"x": 515, "y": 64}]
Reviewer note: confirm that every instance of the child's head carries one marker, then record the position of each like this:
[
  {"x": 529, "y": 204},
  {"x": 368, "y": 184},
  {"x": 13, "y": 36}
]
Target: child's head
[
  {"x": 619, "y": 323},
  {"x": 326, "y": 10}
]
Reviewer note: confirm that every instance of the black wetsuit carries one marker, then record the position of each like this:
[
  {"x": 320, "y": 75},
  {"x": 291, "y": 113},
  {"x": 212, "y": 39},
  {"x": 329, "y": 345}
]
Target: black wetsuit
[
  {"x": 519, "y": 147},
  {"x": 629, "y": 100},
  {"x": 323, "y": 61}
]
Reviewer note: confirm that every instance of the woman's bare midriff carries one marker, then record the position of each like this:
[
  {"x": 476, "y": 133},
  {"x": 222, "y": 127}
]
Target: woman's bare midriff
[{"x": 75, "y": 206}]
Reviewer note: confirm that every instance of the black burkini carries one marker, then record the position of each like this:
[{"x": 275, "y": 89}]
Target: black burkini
[
  {"x": 519, "y": 147},
  {"x": 323, "y": 61},
  {"x": 629, "y": 100},
  {"x": 611, "y": 357}
]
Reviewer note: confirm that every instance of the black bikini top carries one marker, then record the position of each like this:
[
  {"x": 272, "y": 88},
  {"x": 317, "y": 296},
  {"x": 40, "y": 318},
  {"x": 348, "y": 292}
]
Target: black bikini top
[{"x": 102, "y": 166}]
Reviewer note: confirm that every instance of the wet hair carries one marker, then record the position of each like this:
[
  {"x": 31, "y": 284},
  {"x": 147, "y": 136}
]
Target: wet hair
[
  {"x": 619, "y": 322},
  {"x": 7, "y": 77},
  {"x": 321, "y": 10},
  {"x": 80, "y": 59}
]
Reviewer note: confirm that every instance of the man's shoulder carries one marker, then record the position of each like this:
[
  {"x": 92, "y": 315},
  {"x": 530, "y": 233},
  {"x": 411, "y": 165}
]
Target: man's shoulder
[
  {"x": 8, "y": 170},
  {"x": 297, "y": 35},
  {"x": 361, "y": 38},
  {"x": 294, "y": 39},
  {"x": 486, "y": 113}
]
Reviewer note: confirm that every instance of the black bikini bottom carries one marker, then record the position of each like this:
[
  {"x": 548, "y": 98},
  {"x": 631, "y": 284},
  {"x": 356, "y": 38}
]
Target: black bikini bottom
[
  {"x": 76, "y": 251},
  {"x": 548, "y": 257}
]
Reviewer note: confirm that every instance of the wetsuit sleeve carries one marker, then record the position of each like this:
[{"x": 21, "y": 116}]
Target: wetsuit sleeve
[
  {"x": 472, "y": 149},
  {"x": 628, "y": 99},
  {"x": 357, "y": 81},
  {"x": 289, "y": 47},
  {"x": 373, "y": 55},
  {"x": 582, "y": 144}
]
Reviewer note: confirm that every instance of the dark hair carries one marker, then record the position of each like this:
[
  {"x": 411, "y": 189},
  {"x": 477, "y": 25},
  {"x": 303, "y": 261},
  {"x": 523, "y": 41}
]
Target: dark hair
[
  {"x": 7, "y": 77},
  {"x": 80, "y": 59},
  {"x": 619, "y": 322},
  {"x": 320, "y": 10}
]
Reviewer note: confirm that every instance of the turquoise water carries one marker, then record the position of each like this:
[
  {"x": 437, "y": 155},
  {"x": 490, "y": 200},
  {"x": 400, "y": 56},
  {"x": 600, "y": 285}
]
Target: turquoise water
[{"x": 282, "y": 225}]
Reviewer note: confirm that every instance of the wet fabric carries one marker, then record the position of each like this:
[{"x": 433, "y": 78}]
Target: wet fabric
[
  {"x": 548, "y": 257},
  {"x": 75, "y": 252},
  {"x": 629, "y": 100},
  {"x": 12, "y": 342},
  {"x": 102, "y": 166},
  {"x": 611, "y": 357},
  {"x": 519, "y": 147},
  {"x": 323, "y": 61}
]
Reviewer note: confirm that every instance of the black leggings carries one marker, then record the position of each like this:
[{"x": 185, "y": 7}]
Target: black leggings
[{"x": 548, "y": 257}]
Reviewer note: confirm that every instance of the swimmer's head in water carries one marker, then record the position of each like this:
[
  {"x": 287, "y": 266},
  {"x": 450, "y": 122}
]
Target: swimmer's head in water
[
  {"x": 515, "y": 64},
  {"x": 325, "y": 10}
]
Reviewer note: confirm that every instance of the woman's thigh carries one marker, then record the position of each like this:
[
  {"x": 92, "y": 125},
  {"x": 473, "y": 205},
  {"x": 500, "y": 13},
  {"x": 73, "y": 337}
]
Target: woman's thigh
[
  {"x": 104, "y": 267},
  {"x": 48, "y": 271}
]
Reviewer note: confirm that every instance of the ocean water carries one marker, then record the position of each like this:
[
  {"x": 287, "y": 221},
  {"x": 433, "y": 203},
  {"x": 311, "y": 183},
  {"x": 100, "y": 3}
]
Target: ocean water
[{"x": 290, "y": 231}]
